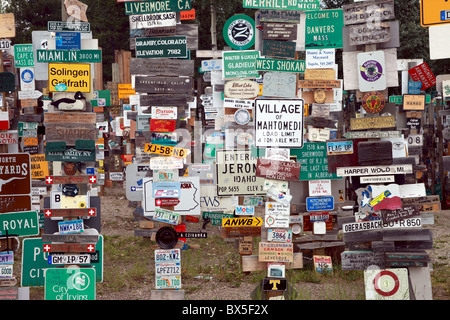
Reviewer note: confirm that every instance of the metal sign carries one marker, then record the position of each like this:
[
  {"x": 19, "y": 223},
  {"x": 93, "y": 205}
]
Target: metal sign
[
  {"x": 239, "y": 64},
  {"x": 279, "y": 122},
  {"x": 143, "y": 7},
  {"x": 162, "y": 47},
  {"x": 371, "y": 71},
  {"x": 423, "y": 73},
  {"x": 236, "y": 173},
  {"x": 68, "y": 40},
  {"x": 239, "y": 32},
  {"x": 15, "y": 174},
  {"x": 242, "y": 222},
  {"x": 69, "y": 56},
  {"x": 23, "y": 55},
  {"x": 79, "y": 26},
  {"x": 70, "y": 284},
  {"x": 71, "y": 226},
  {"x": 25, "y": 223},
  {"x": 282, "y": 5},
  {"x": 434, "y": 13},
  {"x": 297, "y": 66},
  {"x": 166, "y": 150},
  {"x": 280, "y": 49},
  {"x": 319, "y": 203},
  {"x": 72, "y": 77},
  {"x": 374, "y": 170},
  {"x": 71, "y": 179},
  {"x": 319, "y": 37}
]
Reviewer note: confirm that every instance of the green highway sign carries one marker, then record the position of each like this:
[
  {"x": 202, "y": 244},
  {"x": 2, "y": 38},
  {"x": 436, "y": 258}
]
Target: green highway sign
[
  {"x": 142, "y": 7},
  {"x": 70, "y": 284},
  {"x": 25, "y": 223},
  {"x": 240, "y": 64},
  {"x": 23, "y": 55},
  {"x": 323, "y": 29},
  {"x": 282, "y": 4},
  {"x": 399, "y": 99},
  {"x": 35, "y": 262},
  {"x": 279, "y": 65},
  {"x": 74, "y": 56}
]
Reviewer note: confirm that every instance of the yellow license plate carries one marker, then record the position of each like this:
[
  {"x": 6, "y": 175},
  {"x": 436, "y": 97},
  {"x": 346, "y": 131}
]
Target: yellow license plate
[{"x": 166, "y": 150}]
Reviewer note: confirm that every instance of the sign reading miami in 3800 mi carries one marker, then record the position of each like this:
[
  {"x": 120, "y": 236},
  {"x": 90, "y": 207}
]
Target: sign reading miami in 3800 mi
[{"x": 69, "y": 77}]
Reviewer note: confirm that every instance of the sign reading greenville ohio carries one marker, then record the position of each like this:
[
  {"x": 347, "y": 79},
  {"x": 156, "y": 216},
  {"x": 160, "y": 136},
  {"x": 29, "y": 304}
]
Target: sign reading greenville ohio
[
  {"x": 282, "y": 4},
  {"x": 142, "y": 7}
]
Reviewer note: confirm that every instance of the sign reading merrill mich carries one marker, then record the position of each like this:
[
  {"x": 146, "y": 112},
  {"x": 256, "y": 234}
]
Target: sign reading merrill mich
[
  {"x": 279, "y": 123},
  {"x": 70, "y": 77},
  {"x": 162, "y": 47},
  {"x": 142, "y": 7},
  {"x": 283, "y": 4},
  {"x": 236, "y": 173}
]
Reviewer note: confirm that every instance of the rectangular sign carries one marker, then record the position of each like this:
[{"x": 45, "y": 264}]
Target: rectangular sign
[
  {"x": 15, "y": 174},
  {"x": 23, "y": 55},
  {"x": 143, "y": 7},
  {"x": 279, "y": 235},
  {"x": 339, "y": 147},
  {"x": 164, "y": 85},
  {"x": 22, "y": 224},
  {"x": 279, "y": 31},
  {"x": 60, "y": 259},
  {"x": 70, "y": 284},
  {"x": 360, "y": 12},
  {"x": 276, "y": 252},
  {"x": 69, "y": 77},
  {"x": 282, "y": 4},
  {"x": 153, "y": 20},
  {"x": 399, "y": 214},
  {"x": 279, "y": 170},
  {"x": 166, "y": 216},
  {"x": 68, "y": 40},
  {"x": 162, "y": 47},
  {"x": 319, "y": 203},
  {"x": 297, "y": 66},
  {"x": 78, "y": 26},
  {"x": 423, "y": 73},
  {"x": 236, "y": 173},
  {"x": 374, "y": 170},
  {"x": 70, "y": 179},
  {"x": 166, "y": 150},
  {"x": 240, "y": 64},
  {"x": 279, "y": 123},
  {"x": 162, "y": 67},
  {"x": 71, "y": 226},
  {"x": 372, "y": 123},
  {"x": 324, "y": 29},
  {"x": 242, "y": 222},
  {"x": 69, "y": 56}
]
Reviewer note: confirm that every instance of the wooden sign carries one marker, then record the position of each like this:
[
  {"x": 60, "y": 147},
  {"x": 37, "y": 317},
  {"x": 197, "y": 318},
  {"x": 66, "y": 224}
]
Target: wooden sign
[
  {"x": 372, "y": 134},
  {"x": 152, "y": 20},
  {"x": 276, "y": 252},
  {"x": 360, "y": 12},
  {"x": 287, "y": 130},
  {"x": 69, "y": 247},
  {"x": 235, "y": 232},
  {"x": 165, "y": 100},
  {"x": 245, "y": 245},
  {"x": 279, "y": 31},
  {"x": 414, "y": 102},
  {"x": 70, "y": 117},
  {"x": 70, "y": 179},
  {"x": 374, "y": 170},
  {"x": 286, "y": 16},
  {"x": 320, "y": 74},
  {"x": 15, "y": 174},
  {"x": 241, "y": 89},
  {"x": 161, "y": 47},
  {"x": 373, "y": 101},
  {"x": 7, "y": 82},
  {"x": 374, "y": 153},
  {"x": 398, "y": 214},
  {"x": 316, "y": 83},
  {"x": 15, "y": 203},
  {"x": 162, "y": 67},
  {"x": 279, "y": 49},
  {"x": 279, "y": 170},
  {"x": 70, "y": 213},
  {"x": 70, "y": 133},
  {"x": 163, "y": 85},
  {"x": 7, "y": 25},
  {"x": 360, "y": 260},
  {"x": 363, "y": 34},
  {"x": 372, "y": 123}
]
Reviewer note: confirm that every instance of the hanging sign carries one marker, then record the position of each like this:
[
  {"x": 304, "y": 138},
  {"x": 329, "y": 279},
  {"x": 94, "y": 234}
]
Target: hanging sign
[{"x": 279, "y": 123}]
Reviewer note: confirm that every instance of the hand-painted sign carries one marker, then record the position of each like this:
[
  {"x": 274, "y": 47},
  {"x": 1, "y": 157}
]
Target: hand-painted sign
[
  {"x": 71, "y": 179},
  {"x": 372, "y": 123},
  {"x": 15, "y": 174},
  {"x": 399, "y": 214},
  {"x": 276, "y": 252},
  {"x": 286, "y": 129},
  {"x": 153, "y": 20},
  {"x": 423, "y": 73},
  {"x": 279, "y": 170}
]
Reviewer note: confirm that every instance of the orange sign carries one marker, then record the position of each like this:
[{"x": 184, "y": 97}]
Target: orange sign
[
  {"x": 187, "y": 15},
  {"x": 434, "y": 12}
]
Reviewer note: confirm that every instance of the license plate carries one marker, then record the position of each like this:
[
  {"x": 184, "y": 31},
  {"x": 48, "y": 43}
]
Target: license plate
[
  {"x": 166, "y": 216},
  {"x": 168, "y": 269},
  {"x": 58, "y": 259},
  {"x": 279, "y": 235},
  {"x": 168, "y": 282},
  {"x": 166, "y": 150},
  {"x": 6, "y": 272},
  {"x": 172, "y": 255},
  {"x": 72, "y": 226}
]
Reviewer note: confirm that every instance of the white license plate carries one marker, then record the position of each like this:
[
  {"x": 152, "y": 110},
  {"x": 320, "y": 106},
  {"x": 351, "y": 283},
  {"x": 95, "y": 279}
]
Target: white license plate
[
  {"x": 279, "y": 235},
  {"x": 168, "y": 269},
  {"x": 168, "y": 282},
  {"x": 6, "y": 272},
  {"x": 59, "y": 259},
  {"x": 172, "y": 255}
]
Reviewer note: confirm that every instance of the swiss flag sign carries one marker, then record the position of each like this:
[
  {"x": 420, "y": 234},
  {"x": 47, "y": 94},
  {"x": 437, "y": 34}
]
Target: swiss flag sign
[{"x": 423, "y": 73}]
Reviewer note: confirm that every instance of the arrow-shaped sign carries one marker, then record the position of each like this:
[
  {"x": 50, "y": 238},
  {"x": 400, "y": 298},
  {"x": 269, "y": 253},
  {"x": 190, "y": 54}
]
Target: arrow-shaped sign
[{"x": 24, "y": 95}]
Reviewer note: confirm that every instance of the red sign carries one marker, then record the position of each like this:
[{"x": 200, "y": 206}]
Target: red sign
[
  {"x": 69, "y": 247},
  {"x": 70, "y": 179},
  {"x": 85, "y": 212},
  {"x": 279, "y": 170},
  {"x": 187, "y": 15},
  {"x": 166, "y": 202},
  {"x": 162, "y": 125},
  {"x": 423, "y": 73}
]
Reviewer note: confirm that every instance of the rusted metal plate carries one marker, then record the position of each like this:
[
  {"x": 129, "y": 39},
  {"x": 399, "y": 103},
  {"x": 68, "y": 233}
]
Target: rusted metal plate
[{"x": 70, "y": 132}]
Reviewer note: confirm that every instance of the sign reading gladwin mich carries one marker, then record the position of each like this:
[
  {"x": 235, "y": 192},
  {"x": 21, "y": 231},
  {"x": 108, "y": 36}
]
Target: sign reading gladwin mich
[{"x": 279, "y": 123}]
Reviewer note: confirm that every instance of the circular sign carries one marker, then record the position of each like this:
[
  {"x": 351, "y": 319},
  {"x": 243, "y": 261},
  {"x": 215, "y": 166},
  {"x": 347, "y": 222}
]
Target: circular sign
[
  {"x": 371, "y": 70},
  {"x": 386, "y": 283},
  {"x": 320, "y": 96},
  {"x": 239, "y": 32},
  {"x": 373, "y": 102},
  {"x": 242, "y": 116},
  {"x": 166, "y": 237},
  {"x": 80, "y": 281},
  {"x": 27, "y": 76}
]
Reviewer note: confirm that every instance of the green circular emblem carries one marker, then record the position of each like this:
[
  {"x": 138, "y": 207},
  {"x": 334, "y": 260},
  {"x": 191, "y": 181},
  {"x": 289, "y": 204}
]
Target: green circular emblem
[{"x": 239, "y": 32}]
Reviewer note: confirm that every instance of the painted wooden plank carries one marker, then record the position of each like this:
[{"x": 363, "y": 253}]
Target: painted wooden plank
[{"x": 251, "y": 263}]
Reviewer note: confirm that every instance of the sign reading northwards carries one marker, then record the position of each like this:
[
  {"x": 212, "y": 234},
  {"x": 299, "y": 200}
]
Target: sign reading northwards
[{"x": 69, "y": 77}]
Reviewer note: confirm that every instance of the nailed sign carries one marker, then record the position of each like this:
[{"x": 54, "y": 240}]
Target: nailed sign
[
  {"x": 70, "y": 133},
  {"x": 19, "y": 223},
  {"x": 74, "y": 56},
  {"x": 70, "y": 77},
  {"x": 166, "y": 67},
  {"x": 276, "y": 252},
  {"x": 239, "y": 64},
  {"x": 162, "y": 47},
  {"x": 361, "y": 12},
  {"x": 15, "y": 174},
  {"x": 375, "y": 170},
  {"x": 142, "y": 7},
  {"x": 164, "y": 85},
  {"x": 279, "y": 31},
  {"x": 279, "y": 170},
  {"x": 324, "y": 29},
  {"x": 372, "y": 123},
  {"x": 152, "y": 20},
  {"x": 279, "y": 122}
]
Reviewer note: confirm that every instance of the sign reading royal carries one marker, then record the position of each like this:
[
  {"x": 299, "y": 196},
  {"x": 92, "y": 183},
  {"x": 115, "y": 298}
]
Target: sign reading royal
[
  {"x": 279, "y": 122},
  {"x": 69, "y": 77}
]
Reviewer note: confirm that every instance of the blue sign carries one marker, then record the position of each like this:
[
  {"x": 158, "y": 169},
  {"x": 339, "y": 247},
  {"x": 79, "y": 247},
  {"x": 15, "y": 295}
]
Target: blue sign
[
  {"x": 414, "y": 87},
  {"x": 68, "y": 40},
  {"x": 166, "y": 189},
  {"x": 319, "y": 203}
]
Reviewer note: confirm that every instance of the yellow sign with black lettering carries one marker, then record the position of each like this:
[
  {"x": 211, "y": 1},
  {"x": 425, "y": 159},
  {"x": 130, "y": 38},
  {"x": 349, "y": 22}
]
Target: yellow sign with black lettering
[
  {"x": 69, "y": 77},
  {"x": 166, "y": 150},
  {"x": 242, "y": 222}
]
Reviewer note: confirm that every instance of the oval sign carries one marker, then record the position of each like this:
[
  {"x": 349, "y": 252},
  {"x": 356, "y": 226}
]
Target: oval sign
[{"x": 241, "y": 89}]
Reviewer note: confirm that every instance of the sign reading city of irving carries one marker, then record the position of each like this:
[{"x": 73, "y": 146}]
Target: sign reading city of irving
[
  {"x": 75, "y": 56},
  {"x": 69, "y": 77},
  {"x": 142, "y": 7},
  {"x": 161, "y": 47},
  {"x": 279, "y": 123},
  {"x": 282, "y": 4}
]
